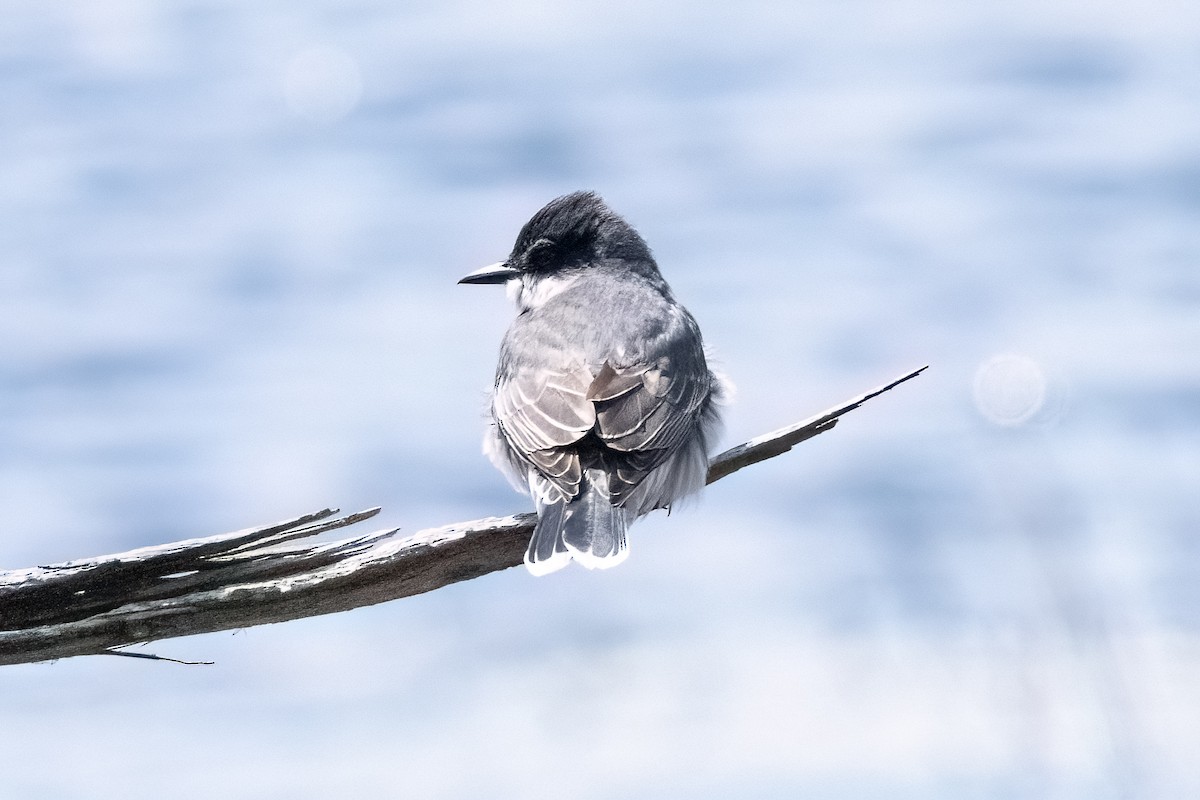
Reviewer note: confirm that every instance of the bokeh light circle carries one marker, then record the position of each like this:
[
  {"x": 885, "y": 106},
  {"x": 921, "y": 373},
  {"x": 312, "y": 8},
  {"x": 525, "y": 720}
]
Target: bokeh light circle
[{"x": 1009, "y": 389}]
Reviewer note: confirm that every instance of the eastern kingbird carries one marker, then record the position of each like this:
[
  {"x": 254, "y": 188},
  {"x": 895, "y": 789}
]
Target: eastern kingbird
[{"x": 604, "y": 406}]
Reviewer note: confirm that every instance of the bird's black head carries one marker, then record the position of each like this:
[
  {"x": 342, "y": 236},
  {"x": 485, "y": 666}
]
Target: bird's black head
[
  {"x": 571, "y": 232},
  {"x": 574, "y": 230}
]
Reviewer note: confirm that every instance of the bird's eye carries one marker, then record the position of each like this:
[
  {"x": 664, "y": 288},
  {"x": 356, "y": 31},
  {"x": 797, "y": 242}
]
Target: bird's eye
[{"x": 541, "y": 255}]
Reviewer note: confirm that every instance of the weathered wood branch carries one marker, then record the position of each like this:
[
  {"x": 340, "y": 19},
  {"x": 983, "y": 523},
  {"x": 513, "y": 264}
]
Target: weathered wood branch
[{"x": 261, "y": 575}]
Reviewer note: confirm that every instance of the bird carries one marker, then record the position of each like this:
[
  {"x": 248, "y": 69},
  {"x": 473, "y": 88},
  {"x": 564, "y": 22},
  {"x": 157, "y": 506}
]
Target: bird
[{"x": 603, "y": 406}]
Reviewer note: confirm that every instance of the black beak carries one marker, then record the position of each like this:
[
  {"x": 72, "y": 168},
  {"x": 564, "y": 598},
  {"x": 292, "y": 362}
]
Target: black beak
[{"x": 492, "y": 273}]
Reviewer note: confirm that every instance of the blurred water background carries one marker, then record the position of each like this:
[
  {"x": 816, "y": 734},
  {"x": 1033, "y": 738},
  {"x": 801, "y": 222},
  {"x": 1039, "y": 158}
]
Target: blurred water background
[{"x": 228, "y": 250}]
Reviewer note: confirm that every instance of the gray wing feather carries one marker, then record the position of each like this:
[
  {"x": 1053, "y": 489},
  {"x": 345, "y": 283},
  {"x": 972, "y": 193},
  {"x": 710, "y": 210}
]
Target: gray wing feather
[
  {"x": 657, "y": 408},
  {"x": 540, "y": 414},
  {"x": 657, "y": 415},
  {"x": 539, "y": 410}
]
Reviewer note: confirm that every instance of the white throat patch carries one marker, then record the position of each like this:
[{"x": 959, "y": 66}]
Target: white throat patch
[{"x": 531, "y": 291}]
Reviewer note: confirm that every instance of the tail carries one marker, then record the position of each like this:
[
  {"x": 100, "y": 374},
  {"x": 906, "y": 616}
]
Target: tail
[{"x": 588, "y": 528}]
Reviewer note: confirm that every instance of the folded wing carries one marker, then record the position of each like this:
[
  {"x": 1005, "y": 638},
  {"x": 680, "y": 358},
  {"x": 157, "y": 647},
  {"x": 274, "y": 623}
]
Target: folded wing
[{"x": 540, "y": 414}]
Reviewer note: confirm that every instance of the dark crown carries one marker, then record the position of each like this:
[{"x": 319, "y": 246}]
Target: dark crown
[{"x": 574, "y": 229}]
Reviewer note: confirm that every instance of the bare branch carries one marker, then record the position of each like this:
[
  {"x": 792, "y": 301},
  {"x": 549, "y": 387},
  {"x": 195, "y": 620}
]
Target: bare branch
[
  {"x": 152, "y": 657},
  {"x": 254, "y": 577},
  {"x": 776, "y": 442}
]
